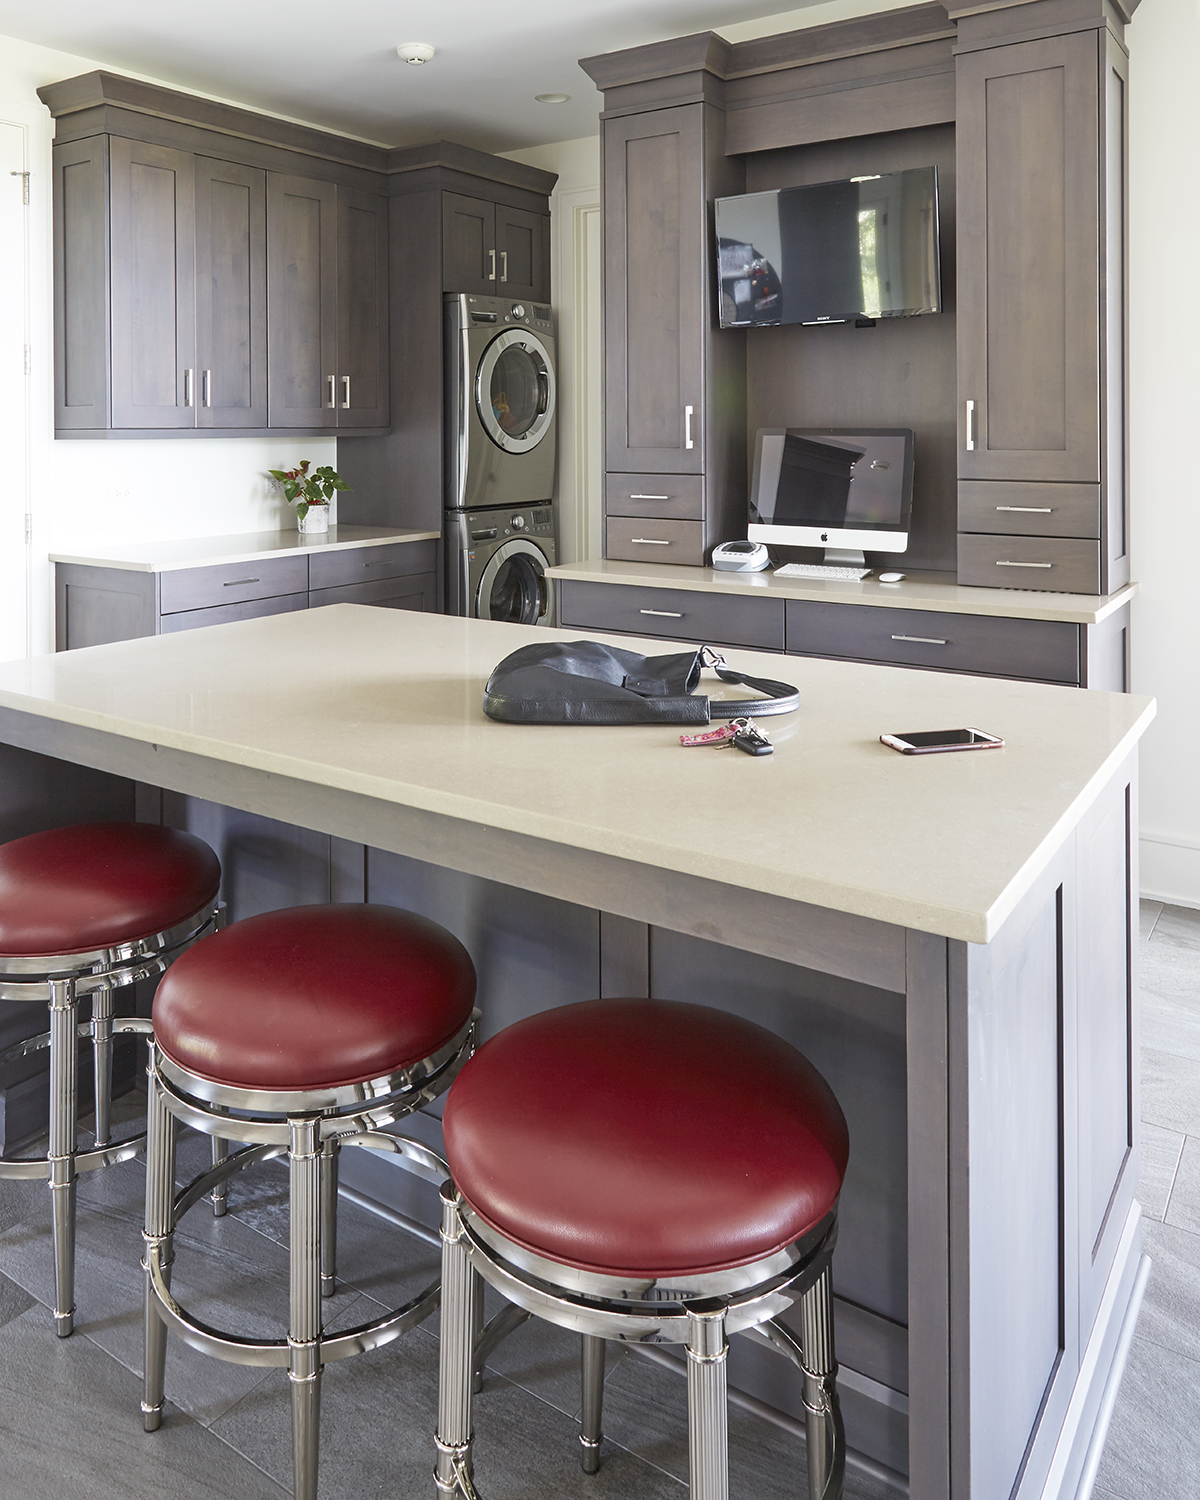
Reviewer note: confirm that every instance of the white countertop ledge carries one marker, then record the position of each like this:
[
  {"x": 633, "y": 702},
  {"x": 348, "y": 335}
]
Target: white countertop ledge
[
  {"x": 253, "y": 546},
  {"x": 933, "y": 591},
  {"x": 388, "y": 704}
]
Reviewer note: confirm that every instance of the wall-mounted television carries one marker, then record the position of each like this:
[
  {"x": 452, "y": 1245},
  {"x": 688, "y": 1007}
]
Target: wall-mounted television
[{"x": 831, "y": 252}]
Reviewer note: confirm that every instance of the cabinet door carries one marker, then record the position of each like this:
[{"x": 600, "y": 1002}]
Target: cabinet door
[
  {"x": 153, "y": 286},
  {"x": 468, "y": 245},
  {"x": 521, "y": 254},
  {"x": 231, "y": 295},
  {"x": 655, "y": 284},
  {"x": 302, "y": 301},
  {"x": 362, "y": 383},
  {"x": 1028, "y": 228}
]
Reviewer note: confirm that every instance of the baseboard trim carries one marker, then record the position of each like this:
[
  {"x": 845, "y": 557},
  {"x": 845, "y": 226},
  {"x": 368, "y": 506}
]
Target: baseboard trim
[{"x": 1170, "y": 870}]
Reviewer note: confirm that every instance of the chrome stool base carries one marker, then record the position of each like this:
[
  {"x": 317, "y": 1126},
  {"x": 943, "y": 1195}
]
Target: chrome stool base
[
  {"x": 280, "y": 1126},
  {"x": 60, "y": 981},
  {"x": 747, "y": 1299}
]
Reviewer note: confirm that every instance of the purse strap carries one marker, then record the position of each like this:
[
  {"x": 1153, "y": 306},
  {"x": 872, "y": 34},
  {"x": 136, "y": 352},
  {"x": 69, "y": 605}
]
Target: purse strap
[{"x": 781, "y": 697}]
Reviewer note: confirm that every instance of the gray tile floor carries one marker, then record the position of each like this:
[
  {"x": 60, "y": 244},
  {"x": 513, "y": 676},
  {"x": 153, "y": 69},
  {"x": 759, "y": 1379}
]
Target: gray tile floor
[{"x": 69, "y": 1420}]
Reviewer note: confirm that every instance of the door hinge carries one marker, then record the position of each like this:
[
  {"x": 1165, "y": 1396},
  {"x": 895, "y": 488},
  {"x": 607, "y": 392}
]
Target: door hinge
[
  {"x": 24, "y": 176},
  {"x": 28, "y": 528}
]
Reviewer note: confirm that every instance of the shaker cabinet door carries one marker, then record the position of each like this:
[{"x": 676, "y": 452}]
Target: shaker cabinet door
[
  {"x": 469, "y": 261},
  {"x": 655, "y": 291},
  {"x": 522, "y": 254},
  {"x": 231, "y": 295},
  {"x": 302, "y": 301},
  {"x": 1028, "y": 227},
  {"x": 362, "y": 259},
  {"x": 153, "y": 286}
]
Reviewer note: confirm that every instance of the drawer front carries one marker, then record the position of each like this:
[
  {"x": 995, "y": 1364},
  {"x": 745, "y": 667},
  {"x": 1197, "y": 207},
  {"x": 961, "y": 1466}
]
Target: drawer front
[
  {"x": 1046, "y": 650},
  {"x": 676, "y": 614},
  {"x": 1029, "y": 509},
  {"x": 671, "y": 497},
  {"x": 223, "y": 614},
  {"x": 413, "y": 591},
  {"x": 227, "y": 583},
  {"x": 327, "y": 570},
  {"x": 1058, "y": 564},
  {"x": 631, "y": 540}
]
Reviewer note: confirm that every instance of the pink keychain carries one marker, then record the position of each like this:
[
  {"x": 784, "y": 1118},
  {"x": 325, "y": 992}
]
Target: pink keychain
[{"x": 722, "y": 736}]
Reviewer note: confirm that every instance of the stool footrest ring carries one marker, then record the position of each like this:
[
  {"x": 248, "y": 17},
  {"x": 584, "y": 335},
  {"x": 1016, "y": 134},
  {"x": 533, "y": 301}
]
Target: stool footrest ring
[
  {"x": 415, "y": 1157},
  {"x": 238, "y": 1161},
  {"x": 85, "y": 1161},
  {"x": 121, "y": 1026}
]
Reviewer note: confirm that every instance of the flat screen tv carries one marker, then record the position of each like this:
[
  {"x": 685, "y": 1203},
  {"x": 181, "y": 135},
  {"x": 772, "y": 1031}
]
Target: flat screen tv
[{"x": 831, "y": 252}]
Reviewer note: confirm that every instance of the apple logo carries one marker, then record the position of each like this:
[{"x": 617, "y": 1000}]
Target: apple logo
[{"x": 824, "y": 536}]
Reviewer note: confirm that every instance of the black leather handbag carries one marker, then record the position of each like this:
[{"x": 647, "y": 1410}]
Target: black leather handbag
[{"x": 584, "y": 682}]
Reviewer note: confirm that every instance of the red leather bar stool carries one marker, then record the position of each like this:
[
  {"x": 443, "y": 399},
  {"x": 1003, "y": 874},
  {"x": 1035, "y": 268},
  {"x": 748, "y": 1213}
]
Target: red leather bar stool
[
  {"x": 299, "y": 1032},
  {"x": 85, "y": 910},
  {"x": 648, "y": 1171}
]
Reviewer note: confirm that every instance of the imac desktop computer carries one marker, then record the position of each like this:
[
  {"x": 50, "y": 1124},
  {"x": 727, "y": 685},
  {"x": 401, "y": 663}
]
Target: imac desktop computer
[{"x": 838, "y": 488}]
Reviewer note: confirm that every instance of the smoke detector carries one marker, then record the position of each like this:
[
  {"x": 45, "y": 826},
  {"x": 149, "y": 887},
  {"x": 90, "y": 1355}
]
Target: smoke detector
[{"x": 415, "y": 52}]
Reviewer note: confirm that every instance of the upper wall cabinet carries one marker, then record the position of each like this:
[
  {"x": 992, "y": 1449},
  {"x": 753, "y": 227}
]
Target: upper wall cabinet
[{"x": 494, "y": 250}]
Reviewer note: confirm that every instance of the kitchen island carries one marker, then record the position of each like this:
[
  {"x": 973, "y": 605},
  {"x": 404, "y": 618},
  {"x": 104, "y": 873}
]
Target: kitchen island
[{"x": 949, "y": 938}]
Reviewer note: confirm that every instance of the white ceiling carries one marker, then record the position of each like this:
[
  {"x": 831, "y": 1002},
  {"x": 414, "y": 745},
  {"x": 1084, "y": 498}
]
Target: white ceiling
[{"x": 335, "y": 64}]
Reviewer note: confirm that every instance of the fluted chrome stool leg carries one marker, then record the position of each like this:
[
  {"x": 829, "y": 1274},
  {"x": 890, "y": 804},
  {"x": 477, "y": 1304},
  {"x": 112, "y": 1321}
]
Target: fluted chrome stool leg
[
  {"x": 102, "y": 1031},
  {"x": 825, "y": 1437},
  {"x": 304, "y": 1330},
  {"x": 708, "y": 1421},
  {"x": 460, "y": 1287},
  {"x": 63, "y": 1131},
  {"x": 159, "y": 1243},
  {"x": 330, "y": 1152},
  {"x": 591, "y": 1362}
]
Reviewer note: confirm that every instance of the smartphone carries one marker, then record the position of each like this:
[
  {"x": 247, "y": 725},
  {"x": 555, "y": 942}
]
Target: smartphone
[{"x": 932, "y": 741}]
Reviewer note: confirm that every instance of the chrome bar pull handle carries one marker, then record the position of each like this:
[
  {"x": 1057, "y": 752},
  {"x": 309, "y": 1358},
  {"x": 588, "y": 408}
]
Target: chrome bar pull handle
[
  {"x": 492, "y": 272},
  {"x": 504, "y": 265},
  {"x": 649, "y": 497},
  {"x": 649, "y": 541},
  {"x": 970, "y": 426},
  {"x": 687, "y": 426},
  {"x": 666, "y": 614},
  {"x": 1023, "y": 565},
  {"x": 1029, "y": 510},
  {"x": 188, "y": 377},
  {"x": 206, "y": 388},
  {"x": 332, "y": 402},
  {"x": 345, "y": 393},
  {"x": 237, "y": 582},
  {"x": 921, "y": 640}
]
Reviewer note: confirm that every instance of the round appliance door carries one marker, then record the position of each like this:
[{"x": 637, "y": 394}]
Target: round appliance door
[
  {"x": 513, "y": 586},
  {"x": 514, "y": 390}
]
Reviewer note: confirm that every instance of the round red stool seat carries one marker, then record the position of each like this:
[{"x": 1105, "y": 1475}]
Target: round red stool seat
[
  {"x": 97, "y": 885},
  {"x": 314, "y": 997},
  {"x": 645, "y": 1137}
]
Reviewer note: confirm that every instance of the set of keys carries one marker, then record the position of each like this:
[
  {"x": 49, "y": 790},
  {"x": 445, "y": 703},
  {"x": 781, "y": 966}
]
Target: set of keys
[{"x": 740, "y": 733}]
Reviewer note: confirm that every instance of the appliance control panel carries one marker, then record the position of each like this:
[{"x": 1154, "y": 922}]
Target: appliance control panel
[
  {"x": 486, "y": 526},
  {"x": 499, "y": 310}
]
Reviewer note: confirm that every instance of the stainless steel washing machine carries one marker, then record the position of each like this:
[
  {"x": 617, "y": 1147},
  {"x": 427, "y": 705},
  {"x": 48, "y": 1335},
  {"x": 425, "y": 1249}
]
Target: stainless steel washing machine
[
  {"x": 500, "y": 401},
  {"x": 497, "y": 561}
]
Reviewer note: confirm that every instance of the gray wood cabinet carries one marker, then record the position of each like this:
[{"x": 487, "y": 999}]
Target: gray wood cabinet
[
  {"x": 1041, "y": 309},
  {"x": 494, "y": 249},
  {"x": 231, "y": 294},
  {"x": 95, "y": 605},
  {"x": 674, "y": 385}
]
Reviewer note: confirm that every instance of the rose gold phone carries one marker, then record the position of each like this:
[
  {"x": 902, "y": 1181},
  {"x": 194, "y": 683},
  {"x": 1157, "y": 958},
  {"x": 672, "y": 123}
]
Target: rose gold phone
[{"x": 934, "y": 741}]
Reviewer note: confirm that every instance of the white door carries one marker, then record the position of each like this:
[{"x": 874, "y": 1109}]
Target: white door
[{"x": 14, "y": 440}]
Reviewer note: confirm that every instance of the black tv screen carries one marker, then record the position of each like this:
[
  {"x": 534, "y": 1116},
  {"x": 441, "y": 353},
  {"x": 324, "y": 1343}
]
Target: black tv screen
[{"x": 831, "y": 252}]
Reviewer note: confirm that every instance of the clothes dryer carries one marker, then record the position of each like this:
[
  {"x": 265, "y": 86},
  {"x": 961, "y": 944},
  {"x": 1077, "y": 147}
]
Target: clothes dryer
[
  {"x": 500, "y": 402},
  {"x": 497, "y": 561}
]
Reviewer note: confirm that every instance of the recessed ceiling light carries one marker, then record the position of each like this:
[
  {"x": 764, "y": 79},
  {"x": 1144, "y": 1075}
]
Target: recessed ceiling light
[
  {"x": 415, "y": 52},
  {"x": 552, "y": 98}
]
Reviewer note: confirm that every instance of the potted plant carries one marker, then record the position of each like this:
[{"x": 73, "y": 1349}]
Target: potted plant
[{"x": 310, "y": 493}]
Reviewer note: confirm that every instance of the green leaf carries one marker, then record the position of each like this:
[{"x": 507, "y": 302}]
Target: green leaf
[{"x": 301, "y": 510}]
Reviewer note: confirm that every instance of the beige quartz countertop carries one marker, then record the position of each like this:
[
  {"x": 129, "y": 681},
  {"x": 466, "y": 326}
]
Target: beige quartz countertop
[
  {"x": 253, "y": 546},
  {"x": 386, "y": 704},
  {"x": 932, "y": 591}
]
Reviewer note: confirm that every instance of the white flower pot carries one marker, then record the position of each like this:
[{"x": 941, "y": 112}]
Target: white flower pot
[{"x": 315, "y": 522}]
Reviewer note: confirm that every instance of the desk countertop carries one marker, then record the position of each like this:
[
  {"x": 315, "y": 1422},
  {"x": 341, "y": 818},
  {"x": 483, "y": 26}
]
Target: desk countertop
[
  {"x": 933, "y": 591},
  {"x": 386, "y": 705},
  {"x": 253, "y": 546}
]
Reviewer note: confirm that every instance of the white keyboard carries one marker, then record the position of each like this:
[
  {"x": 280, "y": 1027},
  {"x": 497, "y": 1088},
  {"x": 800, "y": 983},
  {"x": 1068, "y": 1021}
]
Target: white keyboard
[{"x": 820, "y": 570}]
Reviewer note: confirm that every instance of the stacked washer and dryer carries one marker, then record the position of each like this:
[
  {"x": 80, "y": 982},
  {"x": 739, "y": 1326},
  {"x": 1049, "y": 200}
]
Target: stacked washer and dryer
[{"x": 500, "y": 456}]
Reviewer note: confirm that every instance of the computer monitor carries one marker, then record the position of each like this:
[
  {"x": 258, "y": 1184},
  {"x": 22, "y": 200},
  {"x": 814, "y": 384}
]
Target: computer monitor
[{"x": 845, "y": 489}]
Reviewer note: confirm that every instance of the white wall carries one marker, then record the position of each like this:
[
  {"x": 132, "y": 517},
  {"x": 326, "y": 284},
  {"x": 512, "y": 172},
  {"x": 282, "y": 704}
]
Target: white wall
[
  {"x": 86, "y": 493},
  {"x": 576, "y": 245},
  {"x": 1164, "y": 349}
]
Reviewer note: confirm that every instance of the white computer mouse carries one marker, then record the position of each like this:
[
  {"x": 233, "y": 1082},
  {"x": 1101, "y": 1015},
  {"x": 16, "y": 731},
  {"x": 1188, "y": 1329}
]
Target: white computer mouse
[{"x": 890, "y": 577}]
